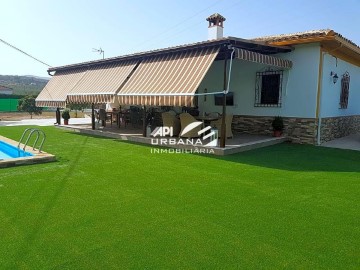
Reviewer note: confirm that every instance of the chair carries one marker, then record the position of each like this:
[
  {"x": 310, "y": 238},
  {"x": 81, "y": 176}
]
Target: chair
[
  {"x": 97, "y": 115},
  {"x": 135, "y": 117},
  {"x": 186, "y": 119},
  {"x": 228, "y": 122},
  {"x": 102, "y": 117},
  {"x": 170, "y": 120},
  {"x": 124, "y": 118}
]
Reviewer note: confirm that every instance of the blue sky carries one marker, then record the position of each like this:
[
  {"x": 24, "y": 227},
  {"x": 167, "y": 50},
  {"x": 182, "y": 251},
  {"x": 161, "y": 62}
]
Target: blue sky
[{"x": 64, "y": 32}]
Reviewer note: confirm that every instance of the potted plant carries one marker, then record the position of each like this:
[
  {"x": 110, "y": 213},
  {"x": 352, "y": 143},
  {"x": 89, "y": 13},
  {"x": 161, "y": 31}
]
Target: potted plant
[
  {"x": 66, "y": 115},
  {"x": 278, "y": 126}
]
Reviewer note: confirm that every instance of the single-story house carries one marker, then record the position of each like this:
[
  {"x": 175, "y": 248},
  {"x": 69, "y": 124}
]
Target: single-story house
[{"x": 311, "y": 79}]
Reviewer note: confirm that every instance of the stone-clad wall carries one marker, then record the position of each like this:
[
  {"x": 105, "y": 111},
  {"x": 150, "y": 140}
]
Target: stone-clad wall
[
  {"x": 298, "y": 130},
  {"x": 337, "y": 127}
]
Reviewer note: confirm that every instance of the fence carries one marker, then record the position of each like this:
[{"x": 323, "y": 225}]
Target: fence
[{"x": 8, "y": 104}]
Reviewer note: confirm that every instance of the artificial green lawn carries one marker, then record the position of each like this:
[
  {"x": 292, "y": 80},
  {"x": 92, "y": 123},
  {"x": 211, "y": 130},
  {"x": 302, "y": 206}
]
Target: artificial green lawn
[{"x": 107, "y": 204}]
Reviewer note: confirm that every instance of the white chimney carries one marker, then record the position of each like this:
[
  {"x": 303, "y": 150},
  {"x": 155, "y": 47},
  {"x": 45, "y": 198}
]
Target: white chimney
[{"x": 216, "y": 26}]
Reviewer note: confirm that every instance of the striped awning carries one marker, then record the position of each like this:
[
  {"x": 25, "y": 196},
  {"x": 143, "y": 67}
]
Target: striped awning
[
  {"x": 55, "y": 91},
  {"x": 262, "y": 58},
  {"x": 100, "y": 84},
  {"x": 168, "y": 80}
]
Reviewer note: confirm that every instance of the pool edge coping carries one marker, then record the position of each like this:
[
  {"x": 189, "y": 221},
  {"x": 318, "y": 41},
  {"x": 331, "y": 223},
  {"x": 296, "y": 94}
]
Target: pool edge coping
[{"x": 37, "y": 157}]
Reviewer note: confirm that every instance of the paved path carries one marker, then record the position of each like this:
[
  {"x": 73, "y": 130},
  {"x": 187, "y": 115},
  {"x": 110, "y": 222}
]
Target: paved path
[
  {"x": 44, "y": 122},
  {"x": 351, "y": 142}
]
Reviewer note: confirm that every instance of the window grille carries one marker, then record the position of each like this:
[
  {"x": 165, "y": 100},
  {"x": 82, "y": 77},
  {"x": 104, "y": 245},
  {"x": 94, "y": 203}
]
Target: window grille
[
  {"x": 268, "y": 88},
  {"x": 344, "y": 95}
]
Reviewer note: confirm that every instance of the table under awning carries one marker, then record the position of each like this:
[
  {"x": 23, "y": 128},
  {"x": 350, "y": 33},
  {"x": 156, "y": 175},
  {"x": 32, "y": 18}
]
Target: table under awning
[
  {"x": 100, "y": 84},
  {"x": 262, "y": 58},
  {"x": 168, "y": 79},
  {"x": 55, "y": 92}
]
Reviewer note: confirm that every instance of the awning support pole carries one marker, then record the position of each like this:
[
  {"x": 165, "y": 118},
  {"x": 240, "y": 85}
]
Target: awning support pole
[
  {"x": 223, "y": 123},
  {"x": 92, "y": 116},
  {"x": 57, "y": 113},
  {"x": 144, "y": 122}
]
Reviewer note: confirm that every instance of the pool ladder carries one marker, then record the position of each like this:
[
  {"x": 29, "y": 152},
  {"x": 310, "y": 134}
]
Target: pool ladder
[{"x": 30, "y": 132}]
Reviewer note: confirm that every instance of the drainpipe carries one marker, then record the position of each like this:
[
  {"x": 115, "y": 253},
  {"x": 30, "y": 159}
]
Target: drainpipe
[{"x": 230, "y": 68}]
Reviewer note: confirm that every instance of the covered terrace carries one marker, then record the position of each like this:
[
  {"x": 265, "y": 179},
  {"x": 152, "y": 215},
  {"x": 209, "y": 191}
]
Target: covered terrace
[{"x": 166, "y": 79}]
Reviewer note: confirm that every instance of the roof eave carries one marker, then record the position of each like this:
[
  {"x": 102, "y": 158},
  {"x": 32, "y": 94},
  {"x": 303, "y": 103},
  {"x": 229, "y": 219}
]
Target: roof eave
[
  {"x": 141, "y": 54},
  {"x": 257, "y": 46}
]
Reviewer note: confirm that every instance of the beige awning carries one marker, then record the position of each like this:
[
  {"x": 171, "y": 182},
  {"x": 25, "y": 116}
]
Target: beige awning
[
  {"x": 168, "y": 80},
  {"x": 100, "y": 84},
  {"x": 55, "y": 91},
  {"x": 262, "y": 58}
]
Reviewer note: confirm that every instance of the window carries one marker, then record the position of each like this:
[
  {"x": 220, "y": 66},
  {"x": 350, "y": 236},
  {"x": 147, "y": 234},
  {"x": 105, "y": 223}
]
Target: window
[
  {"x": 344, "y": 95},
  {"x": 268, "y": 88}
]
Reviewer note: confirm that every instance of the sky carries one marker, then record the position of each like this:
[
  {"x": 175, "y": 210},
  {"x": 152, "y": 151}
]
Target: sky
[{"x": 66, "y": 32}]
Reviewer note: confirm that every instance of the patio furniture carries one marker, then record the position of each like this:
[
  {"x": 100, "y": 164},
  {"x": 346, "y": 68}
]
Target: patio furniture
[
  {"x": 102, "y": 117},
  {"x": 228, "y": 121},
  {"x": 112, "y": 116},
  {"x": 207, "y": 119},
  {"x": 135, "y": 116},
  {"x": 170, "y": 120},
  {"x": 185, "y": 120},
  {"x": 123, "y": 118},
  {"x": 213, "y": 114}
]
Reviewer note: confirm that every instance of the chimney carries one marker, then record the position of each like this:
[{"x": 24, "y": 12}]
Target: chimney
[{"x": 216, "y": 26}]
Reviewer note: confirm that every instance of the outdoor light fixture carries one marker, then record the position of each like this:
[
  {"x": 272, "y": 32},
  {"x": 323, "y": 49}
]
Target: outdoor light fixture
[{"x": 334, "y": 76}]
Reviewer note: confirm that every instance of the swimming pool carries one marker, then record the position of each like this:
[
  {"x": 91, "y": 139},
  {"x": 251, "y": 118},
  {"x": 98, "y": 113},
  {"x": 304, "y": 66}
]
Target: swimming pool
[
  {"x": 10, "y": 155},
  {"x": 9, "y": 151}
]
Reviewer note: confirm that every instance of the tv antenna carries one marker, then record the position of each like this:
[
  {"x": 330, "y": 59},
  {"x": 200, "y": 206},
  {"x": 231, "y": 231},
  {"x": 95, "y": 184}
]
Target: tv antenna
[{"x": 100, "y": 51}]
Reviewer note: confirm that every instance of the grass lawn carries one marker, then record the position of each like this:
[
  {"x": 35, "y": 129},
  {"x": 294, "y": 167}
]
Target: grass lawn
[{"x": 107, "y": 204}]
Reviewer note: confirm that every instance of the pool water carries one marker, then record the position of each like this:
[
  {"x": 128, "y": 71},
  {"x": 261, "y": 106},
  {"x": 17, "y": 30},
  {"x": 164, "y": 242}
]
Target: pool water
[{"x": 9, "y": 151}]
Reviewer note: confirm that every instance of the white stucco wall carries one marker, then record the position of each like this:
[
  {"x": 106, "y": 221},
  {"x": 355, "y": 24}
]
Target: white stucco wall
[
  {"x": 215, "y": 32},
  {"x": 299, "y": 85},
  {"x": 331, "y": 92}
]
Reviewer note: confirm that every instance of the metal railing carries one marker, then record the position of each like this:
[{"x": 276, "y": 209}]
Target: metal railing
[{"x": 30, "y": 132}]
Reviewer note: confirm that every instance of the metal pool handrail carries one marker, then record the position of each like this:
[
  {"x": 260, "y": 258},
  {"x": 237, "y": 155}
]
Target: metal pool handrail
[{"x": 38, "y": 135}]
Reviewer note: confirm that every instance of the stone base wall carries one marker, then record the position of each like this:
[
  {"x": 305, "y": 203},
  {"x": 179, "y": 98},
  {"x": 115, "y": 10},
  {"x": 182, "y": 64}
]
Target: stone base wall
[
  {"x": 298, "y": 130},
  {"x": 337, "y": 127}
]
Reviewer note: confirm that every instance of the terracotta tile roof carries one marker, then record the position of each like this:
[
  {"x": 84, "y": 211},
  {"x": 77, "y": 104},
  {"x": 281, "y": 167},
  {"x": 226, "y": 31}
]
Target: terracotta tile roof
[
  {"x": 306, "y": 34},
  {"x": 215, "y": 16}
]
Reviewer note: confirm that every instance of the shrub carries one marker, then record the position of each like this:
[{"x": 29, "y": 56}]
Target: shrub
[{"x": 278, "y": 123}]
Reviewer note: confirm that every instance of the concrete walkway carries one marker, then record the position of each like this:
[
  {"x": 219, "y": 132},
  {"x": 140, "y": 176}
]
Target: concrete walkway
[
  {"x": 240, "y": 142},
  {"x": 43, "y": 122},
  {"x": 351, "y": 142}
]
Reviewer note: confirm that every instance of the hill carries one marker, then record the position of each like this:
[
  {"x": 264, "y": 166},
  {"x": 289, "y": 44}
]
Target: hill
[{"x": 24, "y": 85}]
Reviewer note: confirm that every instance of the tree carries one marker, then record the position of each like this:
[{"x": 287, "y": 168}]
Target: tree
[
  {"x": 77, "y": 107},
  {"x": 27, "y": 104}
]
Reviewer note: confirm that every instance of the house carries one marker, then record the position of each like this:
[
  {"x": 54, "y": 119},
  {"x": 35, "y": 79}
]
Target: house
[
  {"x": 311, "y": 79},
  {"x": 4, "y": 90}
]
